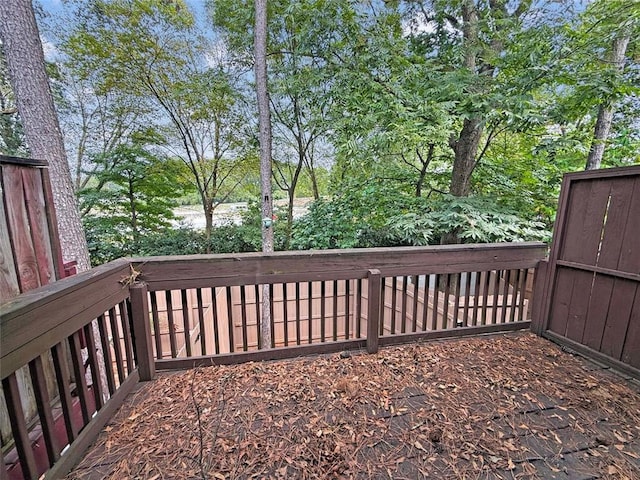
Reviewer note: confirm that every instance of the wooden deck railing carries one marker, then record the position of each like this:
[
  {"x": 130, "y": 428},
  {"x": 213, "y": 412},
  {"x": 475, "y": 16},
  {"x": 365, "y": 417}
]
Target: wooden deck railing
[{"x": 201, "y": 310}]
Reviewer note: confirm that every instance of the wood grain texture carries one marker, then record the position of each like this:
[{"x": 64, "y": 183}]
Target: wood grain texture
[
  {"x": 9, "y": 287},
  {"x": 18, "y": 223},
  {"x": 34, "y": 322},
  {"x": 166, "y": 273},
  {"x": 38, "y": 226}
]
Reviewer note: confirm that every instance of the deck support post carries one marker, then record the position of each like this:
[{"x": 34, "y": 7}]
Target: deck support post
[
  {"x": 538, "y": 312},
  {"x": 373, "y": 311},
  {"x": 142, "y": 331}
]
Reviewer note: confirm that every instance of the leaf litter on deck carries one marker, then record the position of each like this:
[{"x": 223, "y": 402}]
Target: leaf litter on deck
[{"x": 500, "y": 406}]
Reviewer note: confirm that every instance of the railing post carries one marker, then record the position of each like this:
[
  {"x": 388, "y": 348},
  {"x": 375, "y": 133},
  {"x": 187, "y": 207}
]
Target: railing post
[
  {"x": 373, "y": 311},
  {"x": 142, "y": 331},
  {"x": 539, "y": 300}
]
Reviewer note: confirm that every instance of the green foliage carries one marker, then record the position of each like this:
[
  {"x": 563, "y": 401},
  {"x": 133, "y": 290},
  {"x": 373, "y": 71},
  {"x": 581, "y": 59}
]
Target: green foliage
[
  {"x": 374, "y": 219},
  {"x": 136, "y": 199}
]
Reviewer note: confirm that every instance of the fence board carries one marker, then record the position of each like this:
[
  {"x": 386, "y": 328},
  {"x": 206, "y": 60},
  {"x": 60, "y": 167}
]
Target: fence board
[
  {"x": 8, "y": 277},
  {"x": 631, "y": 349},
  {"x": 36, "y": 212},
  {"x": 593, "y": 275}
]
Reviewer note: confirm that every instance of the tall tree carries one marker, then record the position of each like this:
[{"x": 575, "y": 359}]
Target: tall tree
[
  {"x": 153, "y": 49},
  {"x": 264, "y": 125},
  {"x": 26, "y": 65}
]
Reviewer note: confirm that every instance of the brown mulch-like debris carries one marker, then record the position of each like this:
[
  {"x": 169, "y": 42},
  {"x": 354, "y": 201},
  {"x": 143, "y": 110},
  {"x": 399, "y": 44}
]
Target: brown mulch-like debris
[{"x": 504, "y": 406}]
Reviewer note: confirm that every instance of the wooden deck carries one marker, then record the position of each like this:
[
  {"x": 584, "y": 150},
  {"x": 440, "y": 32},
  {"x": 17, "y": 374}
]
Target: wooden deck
[{"x": 492, "y": 407}]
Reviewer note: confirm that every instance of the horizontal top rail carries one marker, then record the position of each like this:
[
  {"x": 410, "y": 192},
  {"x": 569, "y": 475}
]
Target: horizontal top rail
[
  {"x": 195, "y": 271},
  {"x": 28, "y": 162},
  {"x": 35, "y": 321},
  {"x": 602, "y": 173}
]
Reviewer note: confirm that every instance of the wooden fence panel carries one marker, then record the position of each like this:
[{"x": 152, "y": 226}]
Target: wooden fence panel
[{"x": 594, "y": 269}]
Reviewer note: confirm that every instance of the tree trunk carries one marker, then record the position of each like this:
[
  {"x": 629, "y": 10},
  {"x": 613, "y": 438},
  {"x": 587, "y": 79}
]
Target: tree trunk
[
  {"x": 25, "y": 62},
  {"x": 264, "y": 120},
  {"x": 605, "y": 112},
  {"x": 465, "y": 148}
]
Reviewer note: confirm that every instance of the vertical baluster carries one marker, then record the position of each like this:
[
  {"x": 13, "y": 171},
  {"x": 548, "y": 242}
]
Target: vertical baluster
[
  {"x": 126, "y": 333},
  {"x": 214, "y": 311},
  {"x": 322, "y": 310},
  {"x": 358, "y": 313},
  {"x": 19, "y": 427},
  {"x": 335, "y": 310},
  {"x": 416, "y": 282},
  {"x": 496, "y": 295},
  {"x": 272, "y": 321},
  {"x": 259, "y": 306},
  {"x": 436, "y": 293},
  {"x": 383, "y": 303},
  {"x": 297, "y": 313},
  {"x": 230, "y": 319},
  {"x": 310, "y": 305},
  {"x": 425, "y": 304},
  {"x": 201, "y": 324},
  {"x": 456, "y": 299},
  {"x": 117, "y": 346},
  {"x": 516, "y": 290},
  {"x": 485, "y": 296},
  {"x": 347, "y": 308},
  {"x": 467, "y": 295},
  {"x": 403, "y": 311},
  {"x": 445, "y": 310},
  {"x": 78, "y": 373},
  {"x": 394, "y": 290},
  {"x": 523, "y": 293},
  {"x": 243, "y": 313},
  {"x": 156, "y": 325},
  {"x": 61, "y": 368},
  {"x": 476, "y": 295},
  {"x": 285, "y": 313},
  {"x": 171, "y": 324},
  {"x": 43, "y": 405},
  {"x": 106, "y": 353},
  {"x": 95, "y": 367},
  {"x": 505, "y": 296},
  {"x": 186, "y": 323}
]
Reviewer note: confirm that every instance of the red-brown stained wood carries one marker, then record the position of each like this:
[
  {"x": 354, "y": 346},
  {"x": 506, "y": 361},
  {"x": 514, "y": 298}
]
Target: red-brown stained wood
[
  {"x": 201, "y": 324},
  {"x": 35, "y": 321},
  {"x": 156, "y": 324},
  {"x": 561, "y": 300},
  {"x": 8, "y": 277},
  {"x": 142, "y": 331},
  {"x": 62, "y": 378},
  {"x": 126, "y": 334},
  {"x": 78, "y": 374},
  {"x": 19, "y": 427},
  {"x": 92, "y": 360},
  {"x": 631, "y": 348},
  {"x": 618, "y": 318},
  {"x": 597, "y": 311},
  {"x": 629, "y": 260},
  {"x": 374, "y": 310},
  {"x": 194, "y": 271},
  {"x": 171, "y": 324},
  {"x": 44, "y": 409},
  {"x": 106, "y": 352},
  {"x": 618, "y": 221},
  {"x": 579, "y": 303},
  {"x": 186, "y": 323},
  {"x": 38, "y": 226},
  {"x": 18, "y": 223},
  {"x": 117, "y": 345}
]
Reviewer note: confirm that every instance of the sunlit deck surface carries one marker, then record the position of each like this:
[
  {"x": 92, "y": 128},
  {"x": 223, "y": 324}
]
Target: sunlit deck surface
[{"x": 501, "y": 406}]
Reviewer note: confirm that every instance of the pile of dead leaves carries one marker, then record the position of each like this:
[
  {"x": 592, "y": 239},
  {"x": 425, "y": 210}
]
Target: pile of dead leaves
[{"x": 507, "y": 406}]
